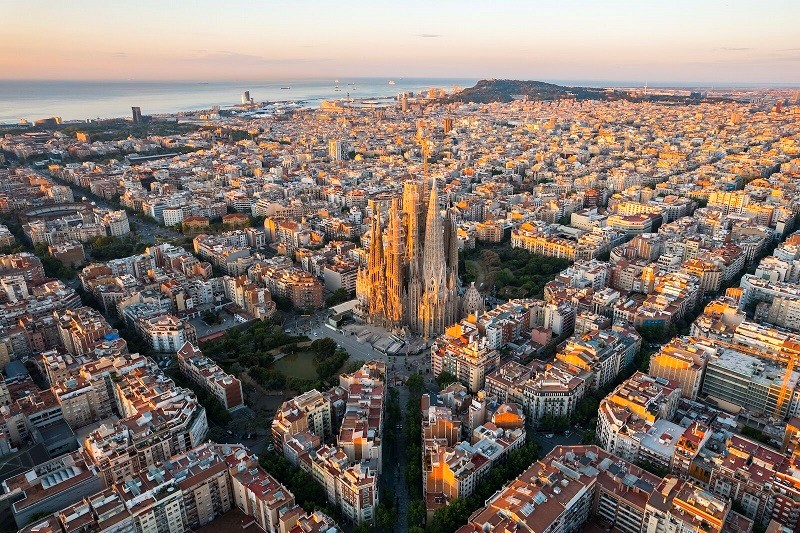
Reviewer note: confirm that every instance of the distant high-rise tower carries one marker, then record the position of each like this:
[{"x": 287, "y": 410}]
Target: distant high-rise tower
[
  {"x": 245, "y": 97},
  {"x": 137, "y": 114},
  {"x": 447, "y": 125},
  {"x": 336, "y": 150}
]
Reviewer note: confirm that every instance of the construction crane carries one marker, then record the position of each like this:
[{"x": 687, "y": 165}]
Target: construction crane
[
  {"x": 424, "y": 143},
  {"x": 787, "y": 376}
]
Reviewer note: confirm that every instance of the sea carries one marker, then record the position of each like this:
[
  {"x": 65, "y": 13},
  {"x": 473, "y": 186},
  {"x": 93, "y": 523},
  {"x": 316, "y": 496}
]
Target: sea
[{"x": 79, "y": 100}]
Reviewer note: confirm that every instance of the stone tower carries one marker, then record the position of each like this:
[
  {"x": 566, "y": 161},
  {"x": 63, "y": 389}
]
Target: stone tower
[
  {"x": 413, "y": 290},
  {"x": 453, "y": 309},
  {"x": 411, "y": 281},
  {"x": 434, "y": 303},
  {"x": 394, "y": 253},
  {"x": 473, "y": 302},
  {"x": 376, "y": 270}
]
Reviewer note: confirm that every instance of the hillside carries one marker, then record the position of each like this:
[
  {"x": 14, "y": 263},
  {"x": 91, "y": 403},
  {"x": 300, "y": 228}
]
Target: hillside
[{"x": 486, "y": 91}]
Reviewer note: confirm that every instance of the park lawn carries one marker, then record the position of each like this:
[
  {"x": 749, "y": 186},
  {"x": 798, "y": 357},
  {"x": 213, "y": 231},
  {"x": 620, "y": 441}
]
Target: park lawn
[{"x": 297, "y": 365}]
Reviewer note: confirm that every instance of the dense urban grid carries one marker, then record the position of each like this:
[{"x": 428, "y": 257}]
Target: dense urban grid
[{"x": 579, "y": 313}]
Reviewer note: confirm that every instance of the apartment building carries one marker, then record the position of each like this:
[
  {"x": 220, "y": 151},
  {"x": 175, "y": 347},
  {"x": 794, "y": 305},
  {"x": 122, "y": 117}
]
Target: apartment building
[
  {"x": 348, "y": 471},
  {"x": 310, "y": 411},
  {"x": 575, "y": 484},
  {"x": 206, "y": 373},
  {"x": 165, "y": 333},
  {"x": 187, "y": 492},
  {"x": 603, "y": 352},
  {"x": 741, "y": 379},
  {"x": 353, "y": 487},
  {"x": 83, "y": 400},
  {"x": 50, "y": 486},
  {"x": 254, "y": 299},
  {"x": 158, "y": 420},
  {"x": 634, "y": 421},
  {"x": 464, "y": 353},
  {"x": 541, "y": 388},
  {"x": 582, "y": 246},
  {"x": 683, "y": 360},
  {"x": 80, "y": 330}
]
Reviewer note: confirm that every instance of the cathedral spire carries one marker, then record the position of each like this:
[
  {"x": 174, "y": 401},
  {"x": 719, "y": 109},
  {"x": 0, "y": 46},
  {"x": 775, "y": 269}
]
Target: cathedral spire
[
  {"x": 433, "y": 255},
  {"x": 411, "y": 208},
  {"x": 377, "y": 285},
  {"x": 433, "y": 311},
  {"x": 394, "y": 268}
]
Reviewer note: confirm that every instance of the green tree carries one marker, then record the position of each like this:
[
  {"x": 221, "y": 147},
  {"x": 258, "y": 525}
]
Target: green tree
[
  {"x": 210, "y": 317},
  {"x": 308, "y": 493},
  {"x": 385, "y": 517},
  {"x": 653, "y": 468},
  {"x": 354, "y": 365},
  {"x": 323, "y": 348},
  {"x": 338, "y": 297},
  {"x": 415, "y": 384},
  {"x": 445, "y": 378},
  {"x": 652, "y": 333},
  {"x": 326, "y": 368},
  {"x": 450, "y": 517},
  {"x": 363, "y": 527},
  {"x": 556, "y": 423},
  {"x": 416, "y": 513}
]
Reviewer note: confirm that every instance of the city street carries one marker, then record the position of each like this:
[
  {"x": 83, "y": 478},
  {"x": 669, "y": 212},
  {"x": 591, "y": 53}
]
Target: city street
[
  {"x": 394, "y": 477},
  {"x": 148, "y": 231},
  {"x": 547, "y": 444},
  {"x": 394, "y": 465}
]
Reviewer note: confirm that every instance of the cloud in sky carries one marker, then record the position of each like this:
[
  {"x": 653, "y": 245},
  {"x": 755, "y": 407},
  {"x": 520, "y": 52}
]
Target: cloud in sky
[
  {"x": 225, "y": 56},
  {"x": 614, "y": 40}
]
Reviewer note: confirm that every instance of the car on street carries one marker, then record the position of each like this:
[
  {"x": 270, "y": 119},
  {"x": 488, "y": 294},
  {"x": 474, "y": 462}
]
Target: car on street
[{"x": 549, "y": 436}]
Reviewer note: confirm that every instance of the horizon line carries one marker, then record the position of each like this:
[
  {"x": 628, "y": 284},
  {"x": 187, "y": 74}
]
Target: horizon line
[{"x": 556, "y": 81}]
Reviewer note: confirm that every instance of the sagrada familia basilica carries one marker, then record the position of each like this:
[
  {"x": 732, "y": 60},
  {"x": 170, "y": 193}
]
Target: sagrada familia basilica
[{"x": 411, "y": 279}]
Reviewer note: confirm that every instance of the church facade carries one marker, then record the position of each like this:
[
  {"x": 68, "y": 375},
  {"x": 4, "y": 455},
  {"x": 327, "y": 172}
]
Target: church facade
[{"x": 410, "y": 280}]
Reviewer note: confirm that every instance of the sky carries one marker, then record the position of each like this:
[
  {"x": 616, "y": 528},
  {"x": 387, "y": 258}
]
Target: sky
[{"x": 751, "y": 41}]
